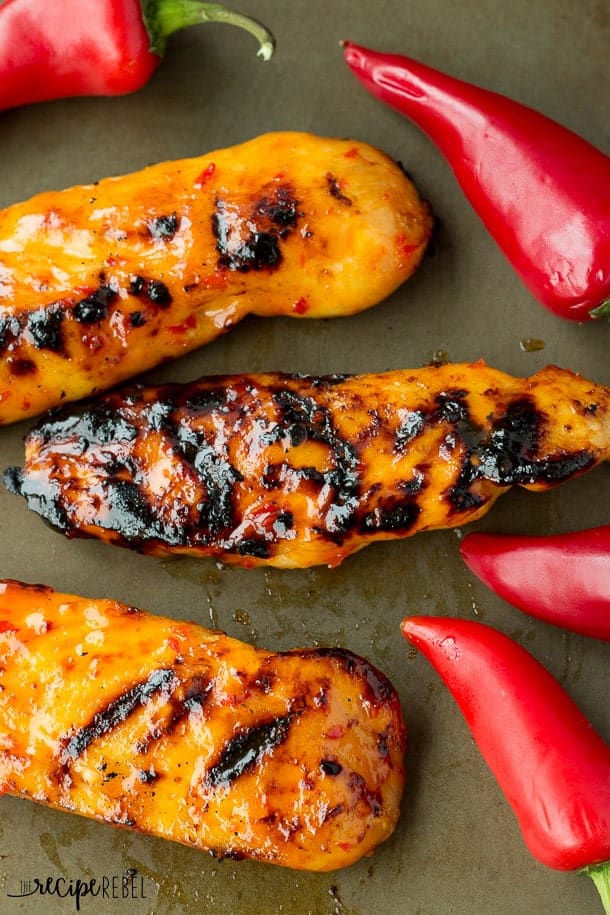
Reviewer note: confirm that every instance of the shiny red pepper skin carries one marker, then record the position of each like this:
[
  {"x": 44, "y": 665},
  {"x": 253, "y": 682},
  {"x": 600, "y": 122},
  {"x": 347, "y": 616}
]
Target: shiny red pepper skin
[
  {"x": 563, "y": 578},
  {"x": 64, "y": 48},
  {"x": 552, "y": 766},
  {"x": 73, "y": 47},
  {"x": 542, "y": 191}
]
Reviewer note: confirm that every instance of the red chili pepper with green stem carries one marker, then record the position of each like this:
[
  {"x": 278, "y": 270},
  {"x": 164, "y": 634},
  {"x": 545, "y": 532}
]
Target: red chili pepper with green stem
[
  {"x": 561, "y": 578},
  {"x": 552, "y": 766},
  {"x": 542, "y": 191},
  {"x": 63, "y": 48}
]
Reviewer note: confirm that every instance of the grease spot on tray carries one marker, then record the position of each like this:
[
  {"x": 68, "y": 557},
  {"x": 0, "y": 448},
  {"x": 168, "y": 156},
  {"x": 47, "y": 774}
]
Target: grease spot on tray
[
  {"x": 192, "y": 881},
  {"x": 48, "y": 845},
  {"x": 531, "y": 344}
]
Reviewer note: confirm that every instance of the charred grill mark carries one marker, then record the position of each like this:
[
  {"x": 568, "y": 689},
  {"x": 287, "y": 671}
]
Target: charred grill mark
[
  {"x": 264, "y": 682},
  {"x": 379, "y": 690},
  {"x": 485, "y": 461},
  {"x": 151, "y": 290},
  {"x": 129, "y": 514},
  {"x": 333, "y": 812},
  {"x": 163, "y": 227},
  {"x": 330, "y": 767},
  {"x": 94, "y": 307},
  {"x": 137, "y": 285},
  {"x": 242, "y": 250},
  {"x": 320, "y": 699},
  {"x": 397, "y": 516},
  {"x": 383, "y": 747},
  {"x": 283, "y": 523},
  {"x": 159, "y": 681},
  {"x": 246, "y": 750},
  {"x": 334, "y": 189},
  {"x": 280, "y": 208},
  {"x": 413, "y": 486},
  {"x": 125, "y": 508},
  {"x": 207, "y": 400},
  {"x": 251, "y": 241},
  {"x": 13, "y": 480},
  {"x": 411, "y": 425},
  {"x": 127, "y": 511},
  {"x": 452, "y": 406},
  {"x": 42, "y": 325},
  {"x": 158, "y": 293},
  {"x": 137, "y": 319},
  {"x": 303, "y": 418},
  {"x": 116, "y": 465},
  {"x": 45, "y": 328},
  {"x": 10, "y": 328},
  {"x": 215, "y": 472},
  {"x": 372, "y": 429},
  {"x": 219, "y": 478},
  {"x": 195, "y": 693},
  {"x": 558, "y": 468},
  {"x": 101, "y": 424},
  {"x": 372, "y": 799},
  {"x": 509, "y": 454},
  {"x": 272, "y": 477},
  {"x": 158, "y": 416},
  {"x": 148, "y": 776},
  {"x": 42, "y": 496},
  {"x": 253, "y": 546},
  {"x": 21, "y": 367},
  {"x": 374, "y": 686},
  {"x": 506, "y": 454}
]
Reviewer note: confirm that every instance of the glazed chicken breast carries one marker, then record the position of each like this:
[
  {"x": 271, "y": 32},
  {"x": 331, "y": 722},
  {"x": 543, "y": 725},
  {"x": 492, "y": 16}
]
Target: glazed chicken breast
[
  {"x": 294, "y": 471},
  {"x": 103, "y": 281},
  {"x": 294, "y": 758}
]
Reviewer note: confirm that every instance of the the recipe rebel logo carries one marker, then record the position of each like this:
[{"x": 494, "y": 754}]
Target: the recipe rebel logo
[{"x": 127, "y": 886}]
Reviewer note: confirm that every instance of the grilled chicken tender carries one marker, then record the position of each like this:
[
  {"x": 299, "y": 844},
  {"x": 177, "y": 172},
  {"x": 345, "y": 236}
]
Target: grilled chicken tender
[
  {"x": 100, "y": 282},
  {"x": 293, "y": 471},
  {"x": 294, "y": 758}
]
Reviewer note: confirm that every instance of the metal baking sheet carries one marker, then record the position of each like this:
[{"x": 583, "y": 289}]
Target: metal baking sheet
[{"x": 457, "y": 848}]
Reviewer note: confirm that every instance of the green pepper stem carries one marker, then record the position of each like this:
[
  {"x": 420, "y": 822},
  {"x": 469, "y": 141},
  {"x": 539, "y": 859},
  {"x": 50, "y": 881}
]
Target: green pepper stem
[
  {"x": 602, "y": 311},
  {"x": 163, "y": 17},
  {"x": 600, "y": 875}
]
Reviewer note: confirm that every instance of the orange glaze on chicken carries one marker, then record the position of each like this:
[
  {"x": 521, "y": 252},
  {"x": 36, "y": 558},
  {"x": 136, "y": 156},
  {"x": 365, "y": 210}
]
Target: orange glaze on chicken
[
  {"x": 294, "y": 758},
  {"x": 294, "y": 471},
  {"x": 100, "y": 282}
]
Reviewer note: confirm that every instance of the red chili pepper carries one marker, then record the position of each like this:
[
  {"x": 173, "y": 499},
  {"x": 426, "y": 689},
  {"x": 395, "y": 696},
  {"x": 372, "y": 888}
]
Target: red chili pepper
[
  {"x": 552, "y": 766},
  {"x": 65, "y": 48},
  {"x": 562, "y": 578},
  {"x": 542, "y": 191}
]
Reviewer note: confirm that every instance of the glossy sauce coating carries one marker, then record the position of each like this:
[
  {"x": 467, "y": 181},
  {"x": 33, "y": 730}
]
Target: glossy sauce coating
[
  {"x": 100, "y": 282},
  {"x": 294, "y": 758},
  {"x": 294, "y": 471}
]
